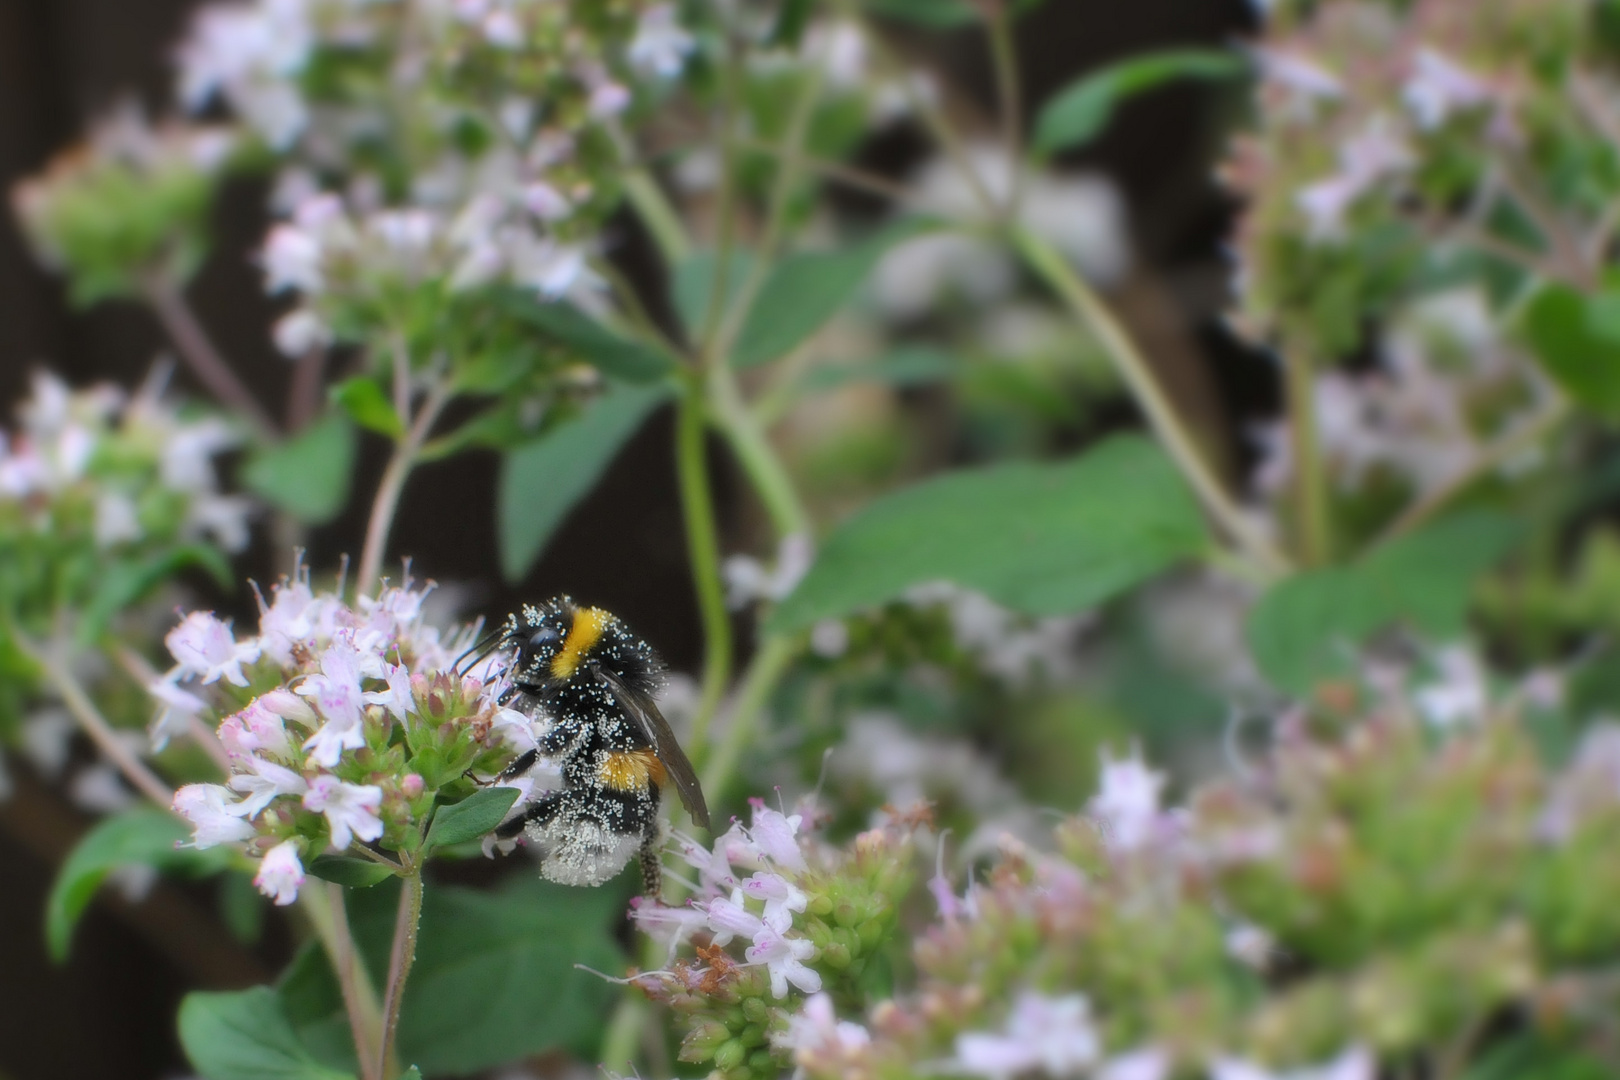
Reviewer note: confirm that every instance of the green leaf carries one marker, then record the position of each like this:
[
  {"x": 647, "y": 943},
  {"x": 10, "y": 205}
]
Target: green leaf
[
  {"x": 541, "y": 482},
  {"x": 245, "y": 1035},
  {"x": 906, "y": 366},
  {"x": 344, "y": 870},
  {"x": 1044, "y": 539},
  {"x": 1577, "y": 339},
  {"x": 1080, "y": 112},
  {"x": 472, "y": 817},
  {"x": 1307, "y": 628},
  {"x": 494, "y": 979},
  {"x": 693, "y": 285},
  {"x": 366, "y": 403},
  {"x": 308, "y": 475},
  {"x": 412, "y": 1073},
  {"x": 614, "y": 356},
  {"x": 804, "y": 291},
  {"x": 934, "y": 14},
  {"x": 142, "y": 837},
  {"x": 790, "y": 24},
  {"x": 124, "y": 583}
]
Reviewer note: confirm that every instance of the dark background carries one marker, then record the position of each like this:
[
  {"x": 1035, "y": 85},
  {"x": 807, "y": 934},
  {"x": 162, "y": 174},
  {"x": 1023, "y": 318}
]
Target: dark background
[{"x": 109, "y": 1012}]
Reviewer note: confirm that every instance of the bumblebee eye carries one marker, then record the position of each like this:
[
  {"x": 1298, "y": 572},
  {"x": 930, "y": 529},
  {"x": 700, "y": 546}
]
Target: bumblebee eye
[{"x": 540, "y": 639}]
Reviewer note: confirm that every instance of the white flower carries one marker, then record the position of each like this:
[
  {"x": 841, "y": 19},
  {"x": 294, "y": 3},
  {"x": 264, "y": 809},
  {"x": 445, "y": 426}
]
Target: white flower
[
  {"x": 608, "y": 99},
  {"x": 204, "y": 646},
  {"x": 1127, "y": 801},
  {"x": 1438, "y": 87},
  {"x": 502, "y": 30},
  {"x": 209, "y": 808},
  {"x": 397, "y": 698},
  {"x": 1356, "y": 1063},
  {"x": 546, "y": 202},
  {"x": 1462, "y": 691},
  {"x": 116, "y": 519},
  {"x": 100, "y": 789},
  {"x": 1053, "y": 1035},
  {"x": 1147, "y": 1063},
  {"x": 548, "y": 267},
  {"x": 292, "y": 260},
  {"x": 259, "y": 727},
  {"x": 178, "y": 707},
  {"x": 784, "y": 958},
  {"x": 729, "y": 918},
  {"x": 1299, "y": 75},
  {"x": 772, "y": 835},
  {"x": 780, "y": 895},
  {"x": 337, "y": 694},
  {"x": 224, "y": 517},
  {"x": 1373, "y": 154},
  {"x": 747, "y": 579},
  {"x": 816, "y": 1030},
  {"x": 47, "y": 740},
  {"x": 350, "y": 809},
  {"x": 661, "y": 44},
  {"x": 669, "y": 926},
  {"x": 299, "y": 332},
  {"x": 281, "y": 873},
  {"x": 263, "y": 784}
]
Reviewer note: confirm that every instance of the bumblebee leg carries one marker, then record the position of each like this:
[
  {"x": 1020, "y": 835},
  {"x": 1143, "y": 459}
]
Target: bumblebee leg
[
  {"x": 652, "y": 865},
  {"x": 522, "y": 765},
  {"x": 542, "y": 810}
]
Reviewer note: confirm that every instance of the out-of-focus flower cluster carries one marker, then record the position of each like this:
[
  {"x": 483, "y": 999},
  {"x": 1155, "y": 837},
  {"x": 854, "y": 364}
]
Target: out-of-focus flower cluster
[
  {"x": 806, "y": 920},
  {"x": 341, "y": 724},
  {"x": 128, "y": 205},
  {"x": 94, "y": 480},
  {"x": 1395, "y": 137},
  {"x": 429, "y": 144},
  {"x": 1373, "y": 889}
]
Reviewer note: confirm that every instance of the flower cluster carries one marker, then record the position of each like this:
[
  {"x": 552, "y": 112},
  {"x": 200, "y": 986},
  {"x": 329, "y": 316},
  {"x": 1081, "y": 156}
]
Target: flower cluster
[
  {"x": 1342, "y": 903},
  {"x": 341, "y": 725},
  {"x": 93, "y": 477},
  {"x": 1394, "y": 138},
  {"x": 129, "y": 205},
  {"x": 806, "y": 920},
  {"x": 473, "y": 141}
]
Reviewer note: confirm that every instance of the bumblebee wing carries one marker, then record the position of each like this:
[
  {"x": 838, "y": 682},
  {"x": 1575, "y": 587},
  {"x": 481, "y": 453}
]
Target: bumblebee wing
[{"x": 644, "y": 710}]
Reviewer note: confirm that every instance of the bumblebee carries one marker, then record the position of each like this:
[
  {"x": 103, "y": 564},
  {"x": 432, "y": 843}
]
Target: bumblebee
[{"x": 594, "y": 680}]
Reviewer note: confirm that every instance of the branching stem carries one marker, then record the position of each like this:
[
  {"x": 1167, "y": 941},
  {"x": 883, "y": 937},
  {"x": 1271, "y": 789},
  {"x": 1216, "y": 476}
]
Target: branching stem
[
  {"x": 386, "y": 504},
  {"x": 199, "y": 353}
]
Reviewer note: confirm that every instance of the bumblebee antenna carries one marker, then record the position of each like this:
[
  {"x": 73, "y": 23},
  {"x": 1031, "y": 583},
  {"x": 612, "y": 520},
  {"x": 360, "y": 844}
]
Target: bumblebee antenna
[{"x": 479, "y": 649}]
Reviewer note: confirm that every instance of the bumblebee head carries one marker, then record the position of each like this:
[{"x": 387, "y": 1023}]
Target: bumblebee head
[{"x": 551, "y": 642}]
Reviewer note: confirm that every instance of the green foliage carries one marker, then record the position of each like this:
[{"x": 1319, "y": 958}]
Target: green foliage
[
  {"x": 693, "y": 286},
  {"x": 1082, "y": 110},
  {"x": 1577, "y": 339},
  {"x": 125, "y": 582},
  {"x": 541, "y": 482},
  {"x": 616, "y": 357},
  {"x": 369, "y": 406},
  {"x": 495, "y": 977},
  {"x": 804, "y": 291},
  {"x": 142, "y": 837},
  {"x": 348, "y": 871},
  {"x": 308, "y": 476},
  {"x": 470, "y": 818},
  {"x": 1308, "y": 627},
  {"x": 246, "y": 1035},
  {"x": 906, "y": 366},
  {"x": 1042, "y": 539},
  {"x": 933, "y": 14}
]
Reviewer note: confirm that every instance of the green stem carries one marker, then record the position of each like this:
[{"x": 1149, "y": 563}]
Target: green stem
[
  {"x": 1132, "y": 366},
  {"x": 703, "y": 543},
  {"x": 386, "y": 504},
  {"x": 618, "y": 1055},
  {"x": 656, "y": 212},
  {"x": 399, "y": 965},
  {"x": 741, "y": 429},
  {"x": 1312, "y": 512},
  {"x": 758, "y": 683},
  {"x": 323, "y": 904},
  {"x": 1004, "y": 59}
]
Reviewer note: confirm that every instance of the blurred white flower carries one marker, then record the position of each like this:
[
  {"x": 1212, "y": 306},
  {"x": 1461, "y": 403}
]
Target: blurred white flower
[
  {"x": 1052, "y": 1035},
  {"x": 116, "y": 519},
  {"x": 100, "y": 789},
  {"x": 1356, "y": 1063},
  {"x": 816, "y": 1030},
  {"x": 205, "y": 647},
  {"x": 1367, "y": 158},
  {"x": 660, "y": 46},
  {"x": 1461, "y": 690},
  {"x": 209, "y": 809},
  {"x": 281, "y": 873},
  {"x": 1127, "y": 801},
  {"x": 1438, "y": 87}
]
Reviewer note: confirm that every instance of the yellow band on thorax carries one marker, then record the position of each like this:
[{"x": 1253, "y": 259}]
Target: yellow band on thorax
[{"x": 582, "y": 637}]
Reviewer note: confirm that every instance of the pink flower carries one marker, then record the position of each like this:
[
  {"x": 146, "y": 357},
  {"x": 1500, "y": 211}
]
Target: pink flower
[
  {"x": 337, "y": 693},
  {"x": 772, "y": 834},
  {"x": 350, "y": 809},
  {"x": 730, "y": 919},
  {"x": 1127, "y": 801},
  {"x": 669, "y": 926},
  {"x": 1439, "y": 87},
  {"x": 281, "y": 873},
  {"x": 258, "y": 727},
  {"x": 780, "y": 895},
  {"x": 204, "y": 646},
  {"x": 212, "y": 813}
]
